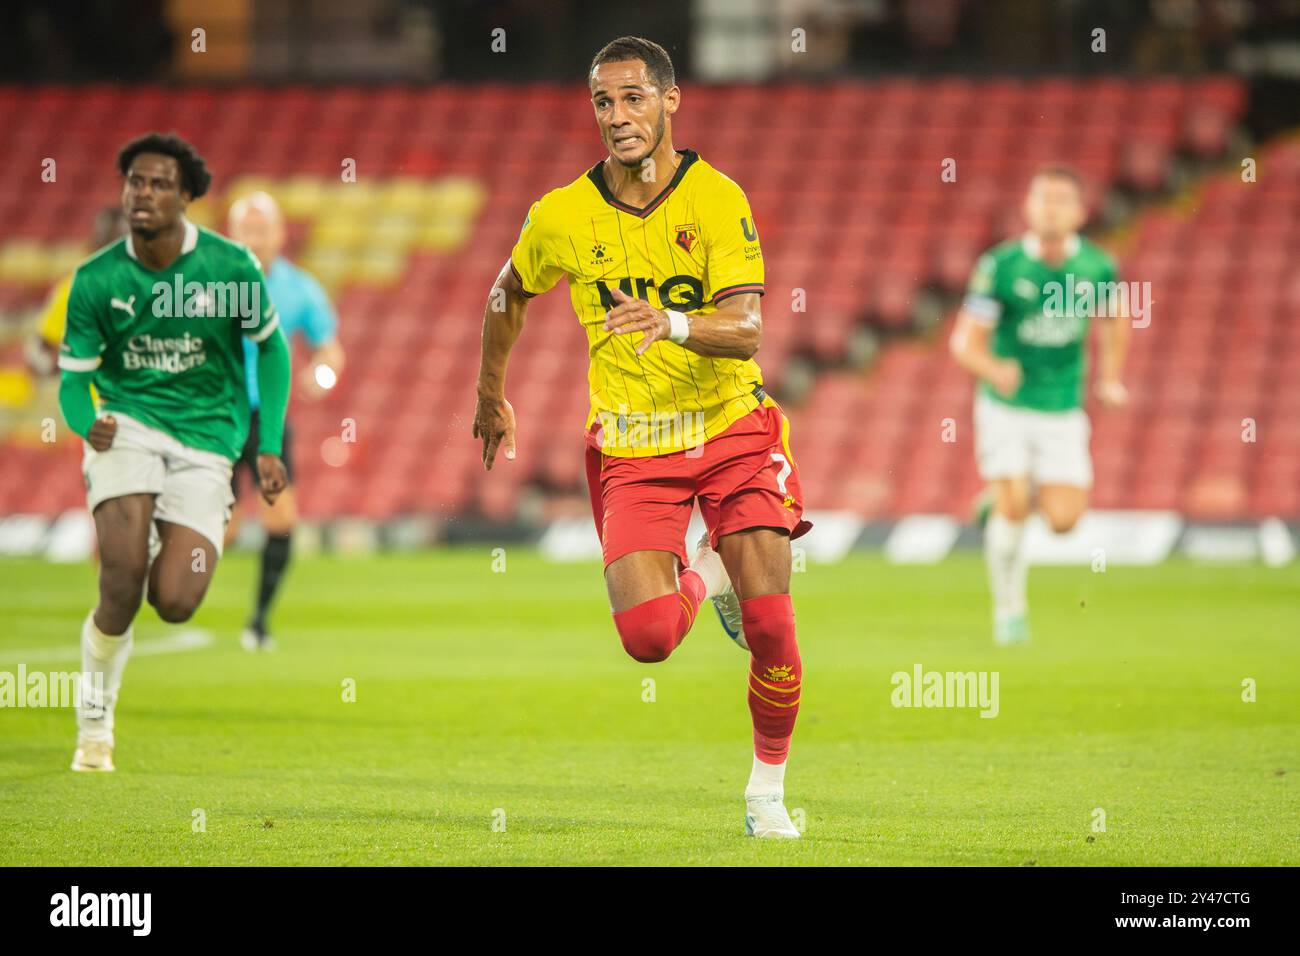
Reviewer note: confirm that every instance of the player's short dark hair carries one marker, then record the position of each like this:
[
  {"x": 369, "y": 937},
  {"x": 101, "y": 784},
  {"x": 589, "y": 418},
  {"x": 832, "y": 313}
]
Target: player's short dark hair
[
  {"x": 1060, "y": 171},
  {"x": 656, "y": 59},
  {"x": 195, "y": 178}
]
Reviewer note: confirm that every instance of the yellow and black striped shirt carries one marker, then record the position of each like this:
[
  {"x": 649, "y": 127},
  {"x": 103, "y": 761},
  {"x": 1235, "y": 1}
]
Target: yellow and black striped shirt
[{"x": 693, "y": 246}]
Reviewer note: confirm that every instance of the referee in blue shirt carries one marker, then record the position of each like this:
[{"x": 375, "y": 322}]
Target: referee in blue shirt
[{"x": 304, "y": 310}]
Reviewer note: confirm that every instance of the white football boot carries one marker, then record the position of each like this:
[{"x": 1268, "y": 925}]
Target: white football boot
[
  {"x": 92, "y": 756},
  {"x": 709, "y": 565},
  {"x": 252, "y": 640},
  {"x": 766, "y": 817},
  {"x": 1010, "y": 629}
]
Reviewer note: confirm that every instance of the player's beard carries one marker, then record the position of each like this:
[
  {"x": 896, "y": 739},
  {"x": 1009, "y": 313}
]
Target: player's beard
[{"x": 660, "y": 128}]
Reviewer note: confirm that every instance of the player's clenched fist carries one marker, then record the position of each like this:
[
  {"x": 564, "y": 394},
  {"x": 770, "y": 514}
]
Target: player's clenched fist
[
  {"x": 271, "y": 477},
  {"x": 1006, "y": 376},
  {"x": 637, "y": 315},
  {"x": 494, "y": 422},
  {"x": 1112, "y": 393},
  {"x": 102, "y": 433}
]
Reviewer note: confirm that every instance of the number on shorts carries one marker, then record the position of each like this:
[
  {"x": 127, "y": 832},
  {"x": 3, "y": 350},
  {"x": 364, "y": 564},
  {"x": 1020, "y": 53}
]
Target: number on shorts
[{"x": 784, "y": 473}]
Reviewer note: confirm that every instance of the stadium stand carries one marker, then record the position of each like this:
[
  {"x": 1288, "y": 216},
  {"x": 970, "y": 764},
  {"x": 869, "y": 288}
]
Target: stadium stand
[{"x": 853, "y": 215}]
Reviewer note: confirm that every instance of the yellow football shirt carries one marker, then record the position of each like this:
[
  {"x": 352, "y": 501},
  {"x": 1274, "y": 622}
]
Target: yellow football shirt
[
  {"x": 54, "y": 320},
  {"x": 690, "y": 248},
  {"x": 55, "y": 316}
]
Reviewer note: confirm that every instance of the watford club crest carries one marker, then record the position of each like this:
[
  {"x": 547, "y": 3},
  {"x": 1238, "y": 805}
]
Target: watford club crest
[{"x": 686, "y": 236}]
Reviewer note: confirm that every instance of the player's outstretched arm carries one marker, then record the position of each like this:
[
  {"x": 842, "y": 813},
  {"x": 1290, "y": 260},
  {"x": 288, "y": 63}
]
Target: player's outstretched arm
[
  {"x": 969, "y": 345},
  {"x": 1112, "y": 344},
  {"x": 733, "y": 331},
  {"x": 329, "y": 354},
  {"x": 503, "y": 319},
  {"x": 322, "y": 329},
  {"x": 273, "y": 377}
]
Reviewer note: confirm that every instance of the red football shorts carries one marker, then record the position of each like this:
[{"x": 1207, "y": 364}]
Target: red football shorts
[{"x": 744, "y": 478}]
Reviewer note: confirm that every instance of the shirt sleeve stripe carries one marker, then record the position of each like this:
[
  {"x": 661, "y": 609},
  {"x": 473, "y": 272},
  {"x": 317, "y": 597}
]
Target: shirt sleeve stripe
[
  {"x": 70, "y": 364},
  {"x": 737, "y": 290},
  {"x": 984, "y": 308},
  {"x": 520, "y": 279},
  {"x": 265, "y": 331}
]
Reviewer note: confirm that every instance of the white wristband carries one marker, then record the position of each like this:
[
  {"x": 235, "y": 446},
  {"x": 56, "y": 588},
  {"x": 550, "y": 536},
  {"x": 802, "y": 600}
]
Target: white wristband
[{"x": 678, "y": 328}]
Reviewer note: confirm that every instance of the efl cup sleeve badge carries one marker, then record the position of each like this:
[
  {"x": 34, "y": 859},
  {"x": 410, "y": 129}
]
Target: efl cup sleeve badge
[{"x": 686, "y": 236}]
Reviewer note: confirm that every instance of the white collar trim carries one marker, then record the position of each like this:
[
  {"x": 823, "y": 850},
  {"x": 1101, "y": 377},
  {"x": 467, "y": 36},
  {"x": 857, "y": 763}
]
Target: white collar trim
[
  {"x": 1034, "y": 249},
  {"x": 187, "y": 244}
]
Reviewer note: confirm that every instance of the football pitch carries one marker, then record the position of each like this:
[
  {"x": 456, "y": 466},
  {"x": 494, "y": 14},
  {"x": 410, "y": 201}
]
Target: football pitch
[{"x": 496, "y": 720}]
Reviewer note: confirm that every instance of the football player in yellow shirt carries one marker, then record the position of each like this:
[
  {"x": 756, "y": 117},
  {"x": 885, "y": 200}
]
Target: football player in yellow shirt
[
  {"x": 43, "y": 347},
  {"x": 664, "y": 268}
]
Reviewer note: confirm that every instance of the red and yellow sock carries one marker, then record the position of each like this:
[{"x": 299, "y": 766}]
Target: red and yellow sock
[
  {"x": 653, "y": 629},
  {"x": 775, "y": 674}
]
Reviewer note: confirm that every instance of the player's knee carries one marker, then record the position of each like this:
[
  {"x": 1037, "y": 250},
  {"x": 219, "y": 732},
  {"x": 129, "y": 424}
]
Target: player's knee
[
  {"x": 1062, "y": 521},
  {"x": 279, "y": 527},
  {"x": 173, "y": 608},
  {"x": 115, "y": 617},
  {"x": 1014, "y": 509},
  {"x": 120, "y": 588},
  {"x": 124, "y": 569},
  {"x": 648, "y": 641},
  {"x": 174, "y": 612},
  {"x": 769, "y": 626}
]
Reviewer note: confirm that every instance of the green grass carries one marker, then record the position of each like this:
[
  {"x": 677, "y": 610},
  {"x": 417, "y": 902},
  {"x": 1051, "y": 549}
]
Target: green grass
[{"x": 478, "y": 691}]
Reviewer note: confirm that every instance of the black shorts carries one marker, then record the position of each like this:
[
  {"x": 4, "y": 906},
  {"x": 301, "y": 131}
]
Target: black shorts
[{"x": 248, "y": 458}]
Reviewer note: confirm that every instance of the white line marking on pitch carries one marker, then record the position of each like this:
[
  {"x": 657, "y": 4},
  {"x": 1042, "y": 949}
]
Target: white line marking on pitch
[{"x": 189, "y": 639}]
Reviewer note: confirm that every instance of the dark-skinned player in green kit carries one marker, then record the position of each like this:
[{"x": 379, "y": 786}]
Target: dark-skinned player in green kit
[{"x": 155, "y": 323}]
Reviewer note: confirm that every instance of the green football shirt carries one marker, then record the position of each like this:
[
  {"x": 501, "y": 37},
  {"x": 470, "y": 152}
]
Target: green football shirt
[
  {"x": 1039, "y": 315},
  {"x": 166, "y": 346}
]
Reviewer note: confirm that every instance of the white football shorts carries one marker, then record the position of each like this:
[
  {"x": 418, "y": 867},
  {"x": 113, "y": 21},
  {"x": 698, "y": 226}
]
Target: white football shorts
[
  {"x": 193, "y": 486},
  {"x": 1050, "y": 448}
]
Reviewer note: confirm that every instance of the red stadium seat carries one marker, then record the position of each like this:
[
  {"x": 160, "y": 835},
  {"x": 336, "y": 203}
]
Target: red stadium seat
[{"x": 857, "y": 217}]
